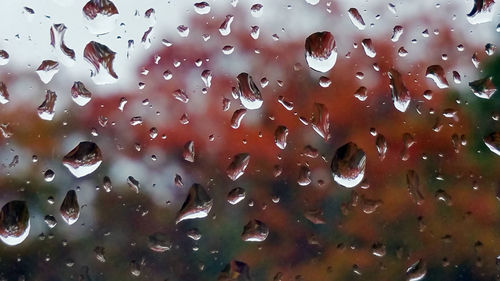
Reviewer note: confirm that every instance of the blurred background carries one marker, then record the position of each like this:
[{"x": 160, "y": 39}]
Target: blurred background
[{"x": 164, "y": 73}]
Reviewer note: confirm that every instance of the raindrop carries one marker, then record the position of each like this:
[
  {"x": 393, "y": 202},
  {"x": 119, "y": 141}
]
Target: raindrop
[
  {"x": 49, "y": 175},
  {"x": 188, "y": 153},
  {"x": 206, "y": 77},
  {"x": 237, "y": 117},
  {"x": 456, "y": 77},
  {"x": 225, "y": 27},
  {"x": 14, "y": 222},
  {"x": 413, "y": 182},
  {"x": 106, "y": 184},
  {"x": 321, "y": 121},
  {"x": 254, "y": 32},
  {"x": 80, "y": 94},
  {"x": 348, "y": 165},
  {"x": 236, "y": 195},
  {"x": 198, "y": 204},
  {"x": 84, "y": 159},
  {"x": 304, "y": 176},
  {"x": 483, "y": 88},
  {"x": 368, "y": 47},
  {"x": 416, "y": 271},
  {"x": 396, "y": 33},
  {"x": 4, "y": 57},
  {"x": 180, "y": 96},
  {"x": 436, "y": 73},
  {"x": 490, "y": 49},
  {"x": 402, "y": 52},
  {"x": 381, "y": 145},
  {"x": 70, "y": 209},
  {"x": 361, "y": 93},
  {"x": 321, "y": 53},
  {"x": 482, "y": 12},
  {"x": 134, "y": 184},
  {"x": 227, "y": 50},
  {"x": 47, "y": 70},
  {"x": 255, "y": 231},
  {"x": 4, "y": 93},
  {"x": 46, "y": 109},
  {"x": 400, "y": 94},
  {"x": 159, "y": 242},
  {"x": 61, "y": 30},
  {"x": 249, "y": 94},
  {"x": 202, "y": 8},
  {"x": 257, "y": 10},
  {"x": 101, "y": 16},
  {"x": 325, "y": 82},
  {"x": 238, "y": 166},
  {"x": 356, "y": 18},
  {"x": 492, "y": 141},
  {"x": 50, "y": 221},
  {"x": 280, "y": 135},
  {"x": 99, "y": 55},
  {"x": 235, "y": 270}
]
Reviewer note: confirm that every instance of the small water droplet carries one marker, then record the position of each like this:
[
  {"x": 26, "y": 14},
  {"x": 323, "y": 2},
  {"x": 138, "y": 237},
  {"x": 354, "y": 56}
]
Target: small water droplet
[
  {"x": 70, "y": 209},
  {"x": 255, "y": 231},
  {"x": 14, "y": 222},
  {"x": 84, "y": 159},
  {"x": 321, "y": 53}
]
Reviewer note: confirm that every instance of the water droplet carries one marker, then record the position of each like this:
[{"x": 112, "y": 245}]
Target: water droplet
[
  {"x": 227, "y": 50},
  {"x": 324, "y": 82},
  {"x": 280, "y": 135},
  {"x": 99, "y": 55},
  {"x": 254, "y": 32},
  {"x": 413, "y": 182},
  {"x": 180, "y": 96},
  {"x": 134, "y": 184},
  {"x": 188, "y": 153},
  {"x": 225, "y": 27},
  {"x": 255, "y": 231},
  {"x": 206, "y": 77},
  {"x": 47, "y": 70},
  {"x": 348, "y": 165},
  {"x": 50, "y": 221},
  {"x": 321, "y": 53},
  {"x": 84, "y": 159},
  {"x": 321, "y": 121},
  {"x": 304, "y": 176},
  {"x": 101, "y": 16},
  {"x": 46, "y": 109},
  {"x": 378, "y": 249},
  {"x": 237, "y": 117},
  {"x": 4, "y": 93},
  {"x": 4, "y": 57},
  {"x": 14, "y": 222},
  {"x": 400, "y": 94},
  {"x": 80, "y": 94},
  {"x": 235, "y": 270},
  {"x": 238, "y": 166},
  {"x": 106, "y": 184},
  {"x": 257, "y": 10},
  {"x": 381, "y": 145},
  {"x": 402, "y": 52},
  {"x": 356, "y": 18},
  {"x": 236, "y": 195},
  {"x": 483, "y": 88},
  {"x": 368, "y": 47},
  {"x": 396, "y": 33},
  {"x": 436, "y": 73},
  {"x": 202, "y": 8},
  {"x": 60, "y": 30},
  {"x": 492, "y": 141},
  {"x": 159, "y": 242},
  {"x": 490, "y": 49},
  {"x": 361, "y": 93},
  {"x": 456, "y": 77},
  {"x": 416, "y": 271},
  {"x": 198, "y": 204},
  {"x": 49, "y": 175},
  {"x": 249, "y": 93},
  {"x": 482, "y": 12},
  {"x": 70, "y": 209}
]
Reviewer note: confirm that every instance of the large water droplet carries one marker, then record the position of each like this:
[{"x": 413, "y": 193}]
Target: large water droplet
[
  {"x": 198, "y": 204},
  {"x": 400, "y": 94},
  {"x": 237, "y": 117},
  {"x": 482, "y": 12},
  {"x": 225, "y": 27},
  {"x": 159, "y": 242},
  {"x": 255, "y": 231},
  {"x": 492, "y": 141},
  {"x": 47, "y": 70},
  {"x": 321, "y": 53},
  {"x": 321, "y": 121},
  {"x": 14, "y": 222},
  {"x": 57, "y": 32},
  {"x": 416, "y": 271},
  {"x": 436, "y": 73},
  {"x": 356, "y": 18},
  {"x": 99, "y": 55},
  {"x": 249, "y": 93},
  {"x": 236, "y": 195},
  {"x": 348, "y": 165},
  {"x": 238, "y": 166},
  {"x": 368, "y": 47},
  {"x": 46, "y": 109},
  {"x": 101, "y": 16},
  {"x": 80, "y": 94},
  {"x": 483, "y": 88},
  {"x": 84, "y": 159},
  {"x": 280, "y": 136},
  {"x": 70, "y": 209}
]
